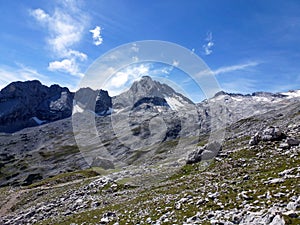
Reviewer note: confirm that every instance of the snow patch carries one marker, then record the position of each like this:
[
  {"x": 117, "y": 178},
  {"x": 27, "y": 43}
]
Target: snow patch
[
  {"x": 110, "y": 111},
  {"x": 174, "y": 103},
  {"x": 77, "y": 109},
  {"x": 38, "y": 121},
  {"x": 237, "y": 99},
  {"x": 292, "y": 94},
  {"x": 261, "y": 99},
  {"x": 106, "y": 112}
]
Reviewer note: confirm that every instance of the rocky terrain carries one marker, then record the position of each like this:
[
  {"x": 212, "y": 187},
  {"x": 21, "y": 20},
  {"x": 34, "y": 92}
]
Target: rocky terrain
[{"x": 162, "y": 164}]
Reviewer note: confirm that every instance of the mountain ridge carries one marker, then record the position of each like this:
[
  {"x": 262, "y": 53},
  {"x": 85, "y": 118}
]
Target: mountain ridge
[{"x": 30, "y": 103}]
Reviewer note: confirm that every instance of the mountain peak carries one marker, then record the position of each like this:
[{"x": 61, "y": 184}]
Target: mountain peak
[
  {"x": 146, "y": 78},
  {"x": 146, "y": 87}
]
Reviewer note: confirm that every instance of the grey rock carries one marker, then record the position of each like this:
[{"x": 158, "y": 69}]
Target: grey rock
[
  {"x": 275, "y": 181},
  {"x": 271, "y": 134},
  {"x": 195, "y": 156},
  {"x": 284, "y": 145},
  {"x": 209, "y": 151},
  {"x": 277, "y": 220},
  {"x": 292, "y": 141},
  {"x": 291, "y": 206}
]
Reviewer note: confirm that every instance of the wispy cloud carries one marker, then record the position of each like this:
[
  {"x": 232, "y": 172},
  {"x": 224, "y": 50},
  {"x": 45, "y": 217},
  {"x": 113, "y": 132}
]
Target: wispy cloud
[
  {"x": 65, "y": 26},
  {"x": 97, "y": 38},
  {"x": 229, "y": 69},
  {"x": 207, "y": 47},
  {"x": 20, "y": 73},
  {"x": 232, "y": 68}
]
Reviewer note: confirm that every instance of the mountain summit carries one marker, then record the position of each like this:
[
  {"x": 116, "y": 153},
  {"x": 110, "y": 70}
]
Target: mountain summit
[{"x": 150, "y": 90}]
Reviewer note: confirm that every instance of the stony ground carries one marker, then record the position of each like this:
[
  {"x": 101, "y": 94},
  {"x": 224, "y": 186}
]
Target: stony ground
[{"x": 244, "y": 184}]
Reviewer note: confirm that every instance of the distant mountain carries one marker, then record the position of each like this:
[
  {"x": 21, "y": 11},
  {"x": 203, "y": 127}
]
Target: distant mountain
[{"x": 25, "y": 104}]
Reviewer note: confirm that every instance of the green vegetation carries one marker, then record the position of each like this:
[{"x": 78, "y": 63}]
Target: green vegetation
[
  {"x": 61, "y": 152},
  {"x": 243, "y": 175},
  {"x": 65, "y": 177}
]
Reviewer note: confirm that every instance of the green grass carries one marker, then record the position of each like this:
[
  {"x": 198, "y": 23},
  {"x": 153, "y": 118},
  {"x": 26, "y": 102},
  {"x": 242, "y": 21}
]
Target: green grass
[
  {"x": 61, "y": 152},
  {"x": 65, "y": 177}
]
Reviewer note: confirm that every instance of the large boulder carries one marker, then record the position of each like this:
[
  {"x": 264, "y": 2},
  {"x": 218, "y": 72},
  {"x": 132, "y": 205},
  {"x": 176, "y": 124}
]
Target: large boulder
[
  {"x": 269, "y": 134},
  {"x": 272, "y": 134},
  {"x": 207, "y": 152},
  {"x": 292, "y": 141}
]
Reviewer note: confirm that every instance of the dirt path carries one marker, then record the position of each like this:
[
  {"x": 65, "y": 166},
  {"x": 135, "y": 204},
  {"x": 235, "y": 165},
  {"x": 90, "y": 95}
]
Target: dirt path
[{"x": 13, "y": 198}]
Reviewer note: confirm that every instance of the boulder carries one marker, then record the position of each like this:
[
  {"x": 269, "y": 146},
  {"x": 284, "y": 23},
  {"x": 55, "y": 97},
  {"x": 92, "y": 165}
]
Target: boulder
[
  {"x": 255, "y": 139},
  {"x": 272, "y": 134},
  {"x": 207, "y": 152},
  {"x": 269, "y": 134},
  {"x": 292, "y": 141},
  {"x": 284, "y": 145},
  {"x": 195, "y": 156}
]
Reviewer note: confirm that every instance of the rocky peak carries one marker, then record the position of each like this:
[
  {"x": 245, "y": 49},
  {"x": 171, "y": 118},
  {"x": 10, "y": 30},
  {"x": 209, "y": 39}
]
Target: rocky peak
[
  {"x": 20, "y": 102},
  {"x": 23, "y": 89},
  {"x": 146, "y": 87}
]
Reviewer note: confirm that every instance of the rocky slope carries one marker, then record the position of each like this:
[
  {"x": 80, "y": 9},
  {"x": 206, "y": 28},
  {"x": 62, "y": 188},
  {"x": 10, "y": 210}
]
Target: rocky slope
[
  {"x": 244, "y": 184},
  {"x": 146, "y": 131},
  {"x": 150, "y": 160}
]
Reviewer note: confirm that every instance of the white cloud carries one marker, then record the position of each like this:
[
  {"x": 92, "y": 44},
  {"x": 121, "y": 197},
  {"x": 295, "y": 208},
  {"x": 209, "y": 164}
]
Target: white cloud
[
  {"x": 175, "y": 63},
  {"x": 207, "y": 47},
  {"x": 135, "y": 48},
  {"x": 66, "y": 65},
  {"x": 120, "y": 81},
  {"x": 97, "y": 38},
  {"x": 81, "y": 56},
  {"x": 66, "y": 26},
  {"x": 40, "y": 15}
]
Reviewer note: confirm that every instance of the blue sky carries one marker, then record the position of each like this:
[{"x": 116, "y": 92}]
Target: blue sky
[{"x": 249, "y": 45}]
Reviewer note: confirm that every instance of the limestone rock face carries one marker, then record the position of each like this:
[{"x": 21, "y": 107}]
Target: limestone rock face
[{"x": 24, "y": 104}]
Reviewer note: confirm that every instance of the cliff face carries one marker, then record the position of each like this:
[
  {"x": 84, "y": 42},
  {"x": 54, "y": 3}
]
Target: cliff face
[{"x": 25, "y": 104}]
